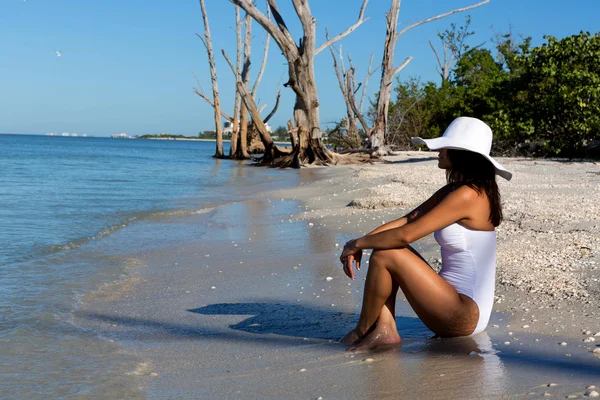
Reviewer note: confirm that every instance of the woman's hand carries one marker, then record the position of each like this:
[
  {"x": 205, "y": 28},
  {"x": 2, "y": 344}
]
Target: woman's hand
[{"x": 349, "y": 254}]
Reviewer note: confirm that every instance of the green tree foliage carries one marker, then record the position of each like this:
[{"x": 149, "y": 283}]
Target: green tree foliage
[
  {"x": 339, "y": 139},
  {"x": 544, "y": 100},
  {"x": 281, "y": 133},
  {"x": 562, "y": 78}
]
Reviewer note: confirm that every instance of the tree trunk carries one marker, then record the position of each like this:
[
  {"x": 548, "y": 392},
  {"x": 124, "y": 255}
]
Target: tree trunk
[
  {"x": 235, "y": 129},
  {"x": 377, "y": 137},
  {"x": 213, "y": 75},
  {"x": 242, "y": 144},
  {"x": 301, "y": 71},
  {"x": 293, "y": 134},
  {"x": 378, "y": 131}
]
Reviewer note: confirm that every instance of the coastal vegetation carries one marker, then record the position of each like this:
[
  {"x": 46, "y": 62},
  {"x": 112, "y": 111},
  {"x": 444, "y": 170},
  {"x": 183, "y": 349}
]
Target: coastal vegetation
[{"x": 542, "y": 100}]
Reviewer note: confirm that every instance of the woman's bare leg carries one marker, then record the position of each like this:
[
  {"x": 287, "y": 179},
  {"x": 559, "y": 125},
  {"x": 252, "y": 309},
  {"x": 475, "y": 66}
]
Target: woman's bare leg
[
  {"x": 387, "y": 317},
  {"x": 435, "y": 301}
]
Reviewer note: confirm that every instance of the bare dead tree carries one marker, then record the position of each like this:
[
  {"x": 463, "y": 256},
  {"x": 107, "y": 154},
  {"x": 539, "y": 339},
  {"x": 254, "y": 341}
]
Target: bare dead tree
[
  {"x": 453, "y": 46},
  {"x": 258, "y": 124},
  {"x": 245, "y": 76},
  {"x": 379, "y": 128},
  {"x": 235, "y": 128},
  {"x": 346, "y": 86},
  {"x": 254, "y": 137},
  {"x": 213, "y": 77},
  {"x": 301, "y": 72}
]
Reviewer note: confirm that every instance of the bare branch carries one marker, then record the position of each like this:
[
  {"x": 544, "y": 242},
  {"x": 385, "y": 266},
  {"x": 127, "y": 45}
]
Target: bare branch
[
  {"x": 272, "y": 5},
  {"x": 369, "y": 74},
  {"x": 235, "y": 73},
  {"x": 274, "y": 110},
  {"x": 282, "y": 37},
  {"x": 361, "y": 20},
  {"x": 401, "y": 66},
  {"x": 408, "y": 28},
  {"x": 436, "y": 54},
  {"x": 337, "y": 70},
  {"x": 203, "y": 41},
  {"x": 251, "y": 105},
  {"x": 263, "y": 65},
  {"x": 245, "y": 75},
  {"x": 357, "y": 112}
]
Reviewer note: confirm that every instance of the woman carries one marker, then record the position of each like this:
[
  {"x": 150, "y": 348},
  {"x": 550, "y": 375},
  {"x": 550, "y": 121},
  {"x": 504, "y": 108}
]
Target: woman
[{"x": 462, "y": 215}]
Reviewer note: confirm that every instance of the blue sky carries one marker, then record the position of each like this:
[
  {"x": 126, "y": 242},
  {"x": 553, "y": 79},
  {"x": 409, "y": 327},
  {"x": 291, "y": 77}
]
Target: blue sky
[{"x": 127, "y": 66}]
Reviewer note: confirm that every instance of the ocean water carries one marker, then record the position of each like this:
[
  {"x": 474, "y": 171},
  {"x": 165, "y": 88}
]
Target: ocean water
[{"x": 60, "y": 199}]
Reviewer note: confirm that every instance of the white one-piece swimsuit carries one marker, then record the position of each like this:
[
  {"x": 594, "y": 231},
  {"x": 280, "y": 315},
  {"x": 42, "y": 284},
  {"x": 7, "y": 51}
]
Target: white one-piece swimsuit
[{"x": 469, "y": 265}]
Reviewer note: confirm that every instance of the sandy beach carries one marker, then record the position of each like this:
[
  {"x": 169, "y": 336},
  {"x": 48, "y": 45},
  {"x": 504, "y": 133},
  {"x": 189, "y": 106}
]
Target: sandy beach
[{"x": 251, "y": 301}]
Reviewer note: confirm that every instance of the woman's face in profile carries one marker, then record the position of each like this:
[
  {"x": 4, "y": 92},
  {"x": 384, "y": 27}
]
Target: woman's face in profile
[{"x": 443, "y": 159}]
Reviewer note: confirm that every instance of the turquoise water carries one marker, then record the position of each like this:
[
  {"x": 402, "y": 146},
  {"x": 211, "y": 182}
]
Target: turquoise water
[{"x": 60, "y": 198}]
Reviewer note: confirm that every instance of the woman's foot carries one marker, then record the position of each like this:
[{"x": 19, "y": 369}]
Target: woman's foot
[
  {"x": 382, "y": 335},
  {"x": 352, "y": 337}
]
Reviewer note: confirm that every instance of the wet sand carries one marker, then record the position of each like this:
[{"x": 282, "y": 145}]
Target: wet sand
[{"x": 244, "y": 307}]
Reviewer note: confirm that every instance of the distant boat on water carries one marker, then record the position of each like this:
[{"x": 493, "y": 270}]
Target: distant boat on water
[
  {"x": 121, "y": 135},
  {"x": 65, "y": 134},
  {"x": 50, "y": 133}
]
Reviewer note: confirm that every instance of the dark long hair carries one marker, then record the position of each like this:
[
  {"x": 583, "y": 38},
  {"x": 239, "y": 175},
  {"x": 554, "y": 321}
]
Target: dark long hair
[{"x": 478, "y": 173}]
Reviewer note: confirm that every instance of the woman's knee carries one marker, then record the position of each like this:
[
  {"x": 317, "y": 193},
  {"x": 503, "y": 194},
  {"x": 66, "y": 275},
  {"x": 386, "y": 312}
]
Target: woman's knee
[{"x": 385, "y": 256}]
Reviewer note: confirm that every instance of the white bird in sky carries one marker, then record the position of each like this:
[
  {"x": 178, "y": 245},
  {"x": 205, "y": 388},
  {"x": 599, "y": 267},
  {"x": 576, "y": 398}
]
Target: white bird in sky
[{"x": 58, "y": 53}]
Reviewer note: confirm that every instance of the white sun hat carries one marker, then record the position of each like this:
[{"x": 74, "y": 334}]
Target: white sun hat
[{"x": 466, "y": 133}]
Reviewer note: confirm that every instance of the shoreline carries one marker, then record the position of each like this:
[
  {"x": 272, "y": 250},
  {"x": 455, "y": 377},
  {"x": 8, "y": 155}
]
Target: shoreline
[
  {"x": 205, "y": 140},
  {"x": 216, "y": 316}
]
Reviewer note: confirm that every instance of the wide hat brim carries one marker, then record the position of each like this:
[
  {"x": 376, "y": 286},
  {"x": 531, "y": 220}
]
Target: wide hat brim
[{"x": 449, "y": 143}]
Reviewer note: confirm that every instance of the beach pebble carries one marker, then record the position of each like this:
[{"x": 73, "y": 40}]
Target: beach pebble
[
  {"x": 311, "y": 224},
  {"x": 368, "y": 360},
  {"x": 213, "y": 288},
  {"x": 589, "y": 339},
  {"x": 303, "y": 370},
  {"x": 507, "y": 343},
  {"x": 591, "y": 387},
  {"x": 329, "y": 279},
  {"x": 592, "y": 393},
  {"x": 552, "y": 384},
  {"x": 597, "y": 334},
  {"x": 572, "y": 396},
  {"x": 563, "y": 343},
  {"x": 525, "y": 326}
]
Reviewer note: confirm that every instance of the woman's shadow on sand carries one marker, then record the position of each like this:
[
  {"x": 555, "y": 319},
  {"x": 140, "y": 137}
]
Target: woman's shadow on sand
[{"x": 298, "y": 320}]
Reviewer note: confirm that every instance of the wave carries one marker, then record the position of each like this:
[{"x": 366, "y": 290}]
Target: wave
[{"x": 141, "y": 216}]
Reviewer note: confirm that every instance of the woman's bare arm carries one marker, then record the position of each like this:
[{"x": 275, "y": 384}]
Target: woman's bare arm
[
  {"x": 454, "y": 207},
  {"x": 415, "y": 214}
]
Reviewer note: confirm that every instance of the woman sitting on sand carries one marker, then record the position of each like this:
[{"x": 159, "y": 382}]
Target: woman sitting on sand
[{"x": 462, "y": 215}]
